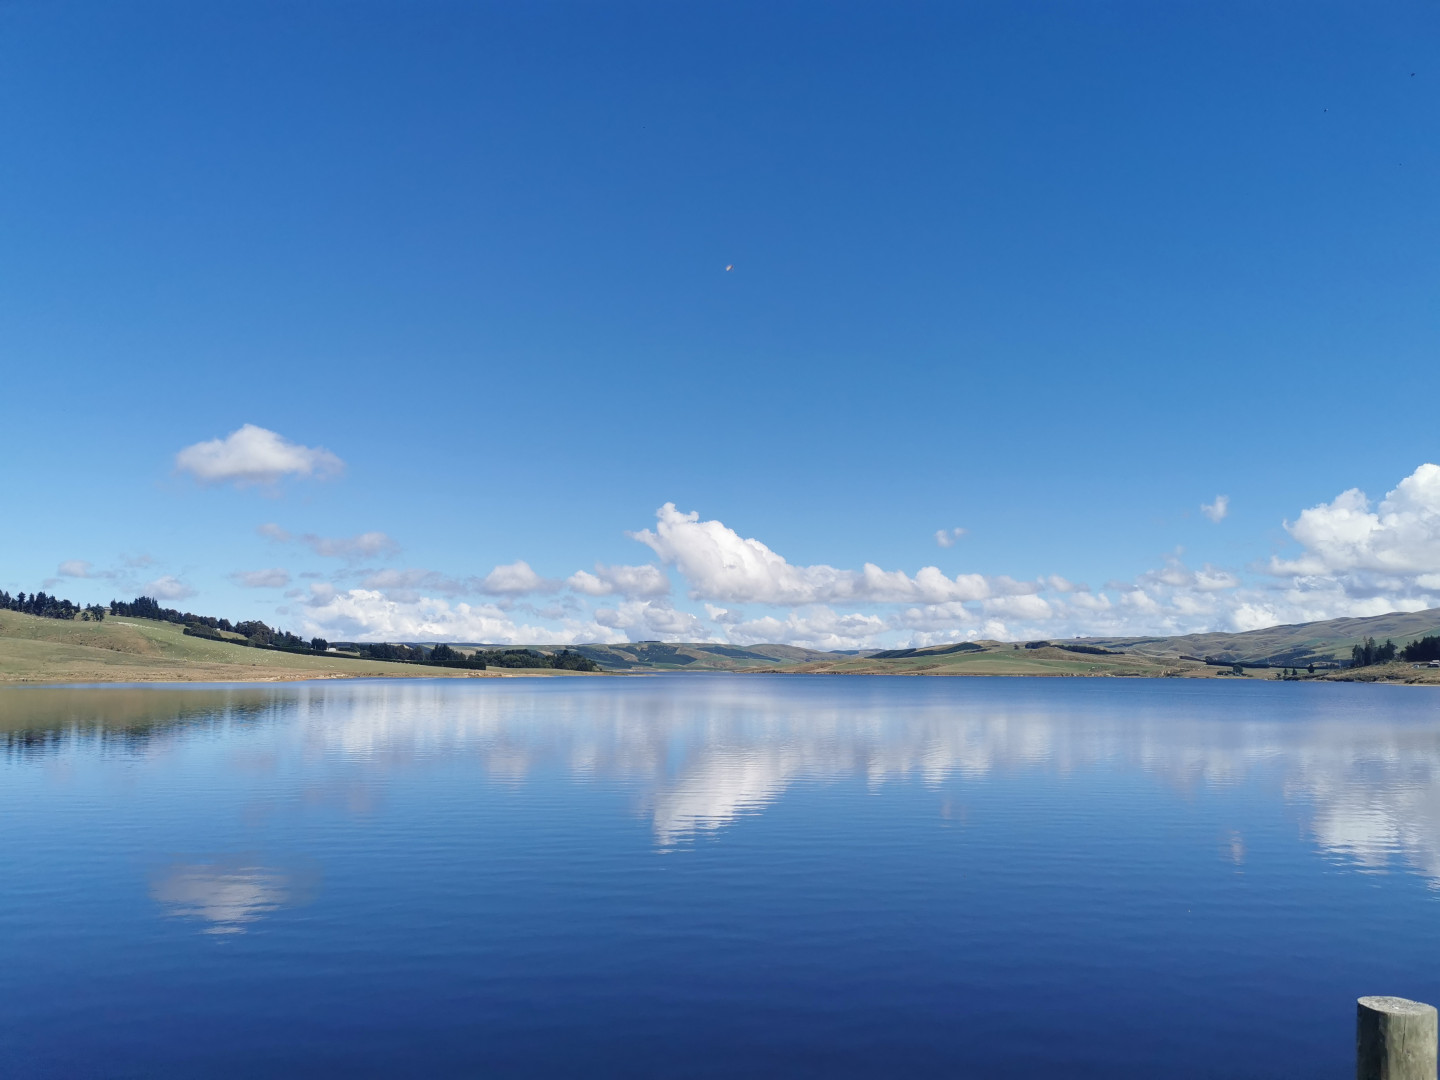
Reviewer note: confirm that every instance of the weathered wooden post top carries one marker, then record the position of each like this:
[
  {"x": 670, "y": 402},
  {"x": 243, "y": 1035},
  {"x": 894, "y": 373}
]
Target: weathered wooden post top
[{"x": 1394, "y": 1039}]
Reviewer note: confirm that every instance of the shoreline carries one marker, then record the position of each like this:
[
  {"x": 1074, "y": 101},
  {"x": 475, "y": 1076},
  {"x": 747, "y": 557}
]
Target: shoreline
[{"x": 230, "y": 678}]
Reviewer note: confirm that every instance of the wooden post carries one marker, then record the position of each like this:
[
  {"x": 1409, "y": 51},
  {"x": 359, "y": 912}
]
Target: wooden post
[{"x": 1394, "y": 1039}]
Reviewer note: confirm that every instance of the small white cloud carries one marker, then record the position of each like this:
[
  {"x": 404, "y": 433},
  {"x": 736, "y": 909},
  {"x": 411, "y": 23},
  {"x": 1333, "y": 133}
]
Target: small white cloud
[
  {"x": 1216, "y": 510},
  {"x": 80, "y": 568},
  {"x": 273, "y": 578},
  {"x": 168, "y": 588},
  {"x": 1019, "y": 607},
  {"x": 946, "y": 538},
  {"x": 516, "y": 579},
  {"x": 367, "y": 545},
  {"x": 254, "y": 455},
  {"x": 634, "y": 581}
]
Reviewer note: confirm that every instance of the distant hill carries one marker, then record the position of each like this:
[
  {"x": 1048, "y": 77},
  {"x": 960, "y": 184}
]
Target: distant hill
[
  {"x": 34, "y": 649},
  {"x": 1325, "y": 642},
  {"x": 697, "y": 656},
  {"x": 1005, "y": 658}
]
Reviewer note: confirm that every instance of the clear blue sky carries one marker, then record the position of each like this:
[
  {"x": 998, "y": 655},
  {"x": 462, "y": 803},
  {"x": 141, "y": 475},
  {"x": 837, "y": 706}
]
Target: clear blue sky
[{"x": 1056, "y": 274}]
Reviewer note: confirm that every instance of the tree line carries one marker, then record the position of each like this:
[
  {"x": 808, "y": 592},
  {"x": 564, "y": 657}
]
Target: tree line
[
  {"x": 564, "y": 660},
  {"x": 437, "y": 656},
  {"x": 49, "y": 607},
  {"x": 1422, "y": 650},
  {"x": 448, "y": 656}
]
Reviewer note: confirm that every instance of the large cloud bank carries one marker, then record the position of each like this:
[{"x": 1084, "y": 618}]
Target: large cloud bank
[
  {"x": 1351, "y": 558},
  {"x": 721, "y": 565}
]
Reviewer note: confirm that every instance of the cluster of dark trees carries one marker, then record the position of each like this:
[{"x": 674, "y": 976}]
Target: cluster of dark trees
[
  {"x": 565, "y": 660},
  {"x": 1367, "y": 653},
  {"x": 439, "y": 656},
  {"x": 447, "y": 656},
  {"x": 49, "y": 607},
  {"x": 886, "y": 654},
  {"x": 257, "y": 635},
  {"x": 382, "y": 651},
  {"x": 1422, "y": 650},
  {"x": 145, "y": 607}
]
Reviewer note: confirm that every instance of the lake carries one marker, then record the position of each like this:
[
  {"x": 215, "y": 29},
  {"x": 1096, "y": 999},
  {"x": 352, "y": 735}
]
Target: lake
[{"x": 713, "y": 875}]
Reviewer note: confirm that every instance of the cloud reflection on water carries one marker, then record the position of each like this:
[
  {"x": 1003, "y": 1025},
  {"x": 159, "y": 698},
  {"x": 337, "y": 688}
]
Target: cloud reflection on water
[
  {"x": 227, "y": 894},
  {"x": 1360, "y": 764}
]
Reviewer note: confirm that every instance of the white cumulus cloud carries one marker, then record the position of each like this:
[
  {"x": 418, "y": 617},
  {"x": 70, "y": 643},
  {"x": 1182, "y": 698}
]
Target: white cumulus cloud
[
  {"x": 255, "y": 455},
  {"x": 1216, "y": 510},
  {"x": 946, "y": 538},
  {"x": 719, "y": 564},
  {"x": 1400, "y": 536}
]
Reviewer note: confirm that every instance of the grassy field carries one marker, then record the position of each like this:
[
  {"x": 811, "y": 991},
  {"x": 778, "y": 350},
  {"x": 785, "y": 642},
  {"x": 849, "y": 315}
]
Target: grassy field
[{"x": 120, "y": 649}]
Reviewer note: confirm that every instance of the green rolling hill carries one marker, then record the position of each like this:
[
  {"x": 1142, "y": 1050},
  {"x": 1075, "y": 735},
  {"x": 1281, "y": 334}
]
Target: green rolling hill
[{"x": 1325, "y": 642}]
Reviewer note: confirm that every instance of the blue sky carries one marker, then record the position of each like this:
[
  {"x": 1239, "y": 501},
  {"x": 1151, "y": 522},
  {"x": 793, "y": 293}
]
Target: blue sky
[{"x": 1054, "y": 274}]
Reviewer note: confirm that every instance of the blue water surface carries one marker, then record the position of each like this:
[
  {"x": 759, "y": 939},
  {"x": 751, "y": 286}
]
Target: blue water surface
[{"x": 713, "y": 875}]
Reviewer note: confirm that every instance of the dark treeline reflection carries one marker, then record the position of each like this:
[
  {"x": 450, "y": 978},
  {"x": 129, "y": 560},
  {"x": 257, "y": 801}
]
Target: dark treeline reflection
[{"x": 46, "y": 720}]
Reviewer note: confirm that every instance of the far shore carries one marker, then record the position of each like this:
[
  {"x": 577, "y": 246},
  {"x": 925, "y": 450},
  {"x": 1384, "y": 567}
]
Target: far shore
[
  {"x": 211, "y": 674},
  {"x": 36, "y": 651}
]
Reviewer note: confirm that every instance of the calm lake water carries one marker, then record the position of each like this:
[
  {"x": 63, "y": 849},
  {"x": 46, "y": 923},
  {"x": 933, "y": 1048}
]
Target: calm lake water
[{"x": 713, "y": 876}]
